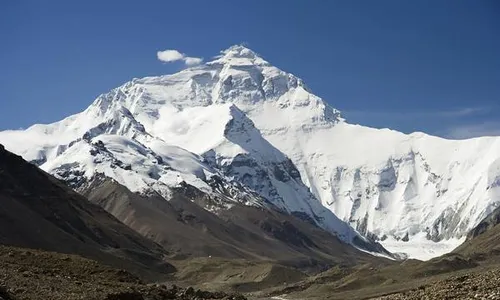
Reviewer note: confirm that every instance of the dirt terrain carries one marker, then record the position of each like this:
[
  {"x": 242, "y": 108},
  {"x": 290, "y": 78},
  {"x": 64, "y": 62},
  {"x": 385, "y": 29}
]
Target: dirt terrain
[
  {"x": 397, "y": 282},
  {"x": 473, "y": 285},
  {"x": 34, "y": 274}
]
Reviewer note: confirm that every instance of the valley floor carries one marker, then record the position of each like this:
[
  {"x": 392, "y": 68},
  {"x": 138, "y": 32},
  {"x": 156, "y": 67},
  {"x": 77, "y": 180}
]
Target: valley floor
[
  {"x": 34, "y": 274},
  {"x": 448, "y": 277},
  {"x": 38, "y": 275}
]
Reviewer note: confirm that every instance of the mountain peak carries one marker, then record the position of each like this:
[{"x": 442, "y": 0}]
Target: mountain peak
[
  {"x": 239, "y": 55},
  {"x": 239, "y": 51}
]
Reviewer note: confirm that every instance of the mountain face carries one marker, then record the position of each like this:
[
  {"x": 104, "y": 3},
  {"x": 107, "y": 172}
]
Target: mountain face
[
  {"x": 38, "y": 211},
  {"x": 243, "y": 131}
]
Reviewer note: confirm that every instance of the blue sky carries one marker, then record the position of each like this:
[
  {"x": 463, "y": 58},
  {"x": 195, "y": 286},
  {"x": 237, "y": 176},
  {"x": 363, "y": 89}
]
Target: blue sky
[{"x": 431, "y": 66}]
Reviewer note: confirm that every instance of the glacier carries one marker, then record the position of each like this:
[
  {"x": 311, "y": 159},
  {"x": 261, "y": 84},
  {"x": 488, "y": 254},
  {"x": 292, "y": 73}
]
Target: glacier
[{"x": 275, "y": 143}]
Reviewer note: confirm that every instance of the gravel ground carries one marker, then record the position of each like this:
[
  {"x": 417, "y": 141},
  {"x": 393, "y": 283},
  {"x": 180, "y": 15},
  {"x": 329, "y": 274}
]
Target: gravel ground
[
  {"x": 483, "y": 285},
  {"x": 36, "y": 275}
]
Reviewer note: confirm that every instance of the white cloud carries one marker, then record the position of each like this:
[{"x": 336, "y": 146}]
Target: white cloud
[
  {"x": 171, "y": 55},
  {"x": 474, "y": 130},
  {"x": 463, "y": 112},
  {"x": 192, "y": 61}
]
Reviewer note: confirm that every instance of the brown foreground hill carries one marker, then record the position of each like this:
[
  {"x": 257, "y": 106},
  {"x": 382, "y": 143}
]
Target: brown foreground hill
[{"x": 37, "y": 211}]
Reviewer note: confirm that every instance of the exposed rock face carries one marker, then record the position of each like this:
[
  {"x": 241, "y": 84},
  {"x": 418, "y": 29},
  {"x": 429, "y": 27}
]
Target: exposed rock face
[
  {"x": 488, "y": 223},
  {"x": 483, "y": 241}
]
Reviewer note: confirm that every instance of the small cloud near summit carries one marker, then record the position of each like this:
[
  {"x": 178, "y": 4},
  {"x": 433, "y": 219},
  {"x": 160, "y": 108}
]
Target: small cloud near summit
[
  {"x": 192, "y": 61},
  {"x": 171, "y": 55}
]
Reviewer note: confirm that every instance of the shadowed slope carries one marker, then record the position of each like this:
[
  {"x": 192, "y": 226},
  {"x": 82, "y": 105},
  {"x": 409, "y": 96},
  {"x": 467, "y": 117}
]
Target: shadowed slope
[{"x": 38, "y": 211}]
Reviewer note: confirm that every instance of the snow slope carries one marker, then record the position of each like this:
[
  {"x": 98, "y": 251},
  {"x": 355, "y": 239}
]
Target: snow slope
[{"x": 256, "y": 125}]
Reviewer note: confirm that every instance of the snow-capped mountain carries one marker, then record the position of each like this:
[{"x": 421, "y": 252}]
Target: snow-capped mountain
[{"x": 271, "y": 141}]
